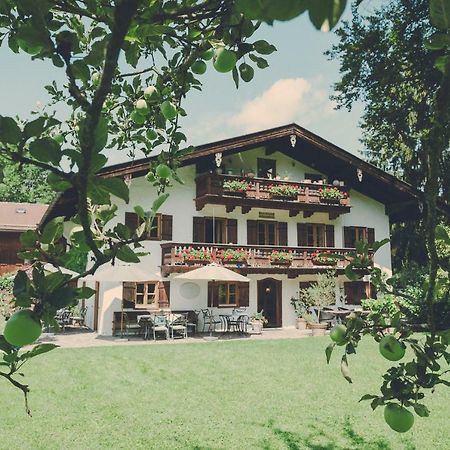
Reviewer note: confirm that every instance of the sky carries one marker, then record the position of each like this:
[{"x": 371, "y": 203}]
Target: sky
[{"x": 295, "y": 88}]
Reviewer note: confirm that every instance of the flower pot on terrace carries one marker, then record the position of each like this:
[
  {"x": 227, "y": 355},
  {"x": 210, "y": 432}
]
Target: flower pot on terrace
[
  {"x": 300, "y": 323},
  {"x": 257, "y": 326},
  {"x": 317, "y": 329}
]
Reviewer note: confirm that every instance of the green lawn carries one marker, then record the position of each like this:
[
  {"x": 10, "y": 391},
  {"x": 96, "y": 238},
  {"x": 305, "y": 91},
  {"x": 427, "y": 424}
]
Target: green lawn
[{"x": 222, "y": 395}]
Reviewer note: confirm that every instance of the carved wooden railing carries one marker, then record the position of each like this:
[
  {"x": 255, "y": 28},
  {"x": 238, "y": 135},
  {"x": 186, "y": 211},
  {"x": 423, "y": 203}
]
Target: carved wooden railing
[
  {"x": 198, "y": 254},
  {"x": 259, "y": 189}
]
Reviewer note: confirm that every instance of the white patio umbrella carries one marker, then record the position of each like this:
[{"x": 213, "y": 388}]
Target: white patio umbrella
[
  {"x": 122, "y": 273},
  {"x": 212, "y": 272}
]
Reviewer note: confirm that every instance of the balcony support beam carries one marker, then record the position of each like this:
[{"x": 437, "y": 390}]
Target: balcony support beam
[
  {"x": 230, "y": 208},
  {"x": 246, "y": 209},
  {"x": 307, "y": 214},
  {"x": 293, "y": 212}
]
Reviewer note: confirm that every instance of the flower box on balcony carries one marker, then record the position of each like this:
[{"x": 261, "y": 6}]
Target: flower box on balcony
[
  {"x": 279, "y": 262},
  {"x": 280, "y": 258},
  {"x": 235, "y": 187},
  {"x": 196, "y": 261},
  {"x": 345, "y": 201},
  {"x": 331, "y": 195},
  {"x": 324, "y": 259},
  {"x": 283, "y": 192}
]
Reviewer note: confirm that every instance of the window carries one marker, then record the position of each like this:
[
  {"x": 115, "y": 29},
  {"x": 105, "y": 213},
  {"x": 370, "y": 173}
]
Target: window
[
  {"x": 315, "y": 235},
  {"x": 354, "y": 291},
  {"x": 266, "y": 232},
  {"x": 149, "y": 294},
  {"x": 218, "y": 230},
  {"x": 353, "y": 234},
  {"x": 161, "y": 227},
  {"x": 221, "y": 294},
  {"x": 267, "y": 168}
]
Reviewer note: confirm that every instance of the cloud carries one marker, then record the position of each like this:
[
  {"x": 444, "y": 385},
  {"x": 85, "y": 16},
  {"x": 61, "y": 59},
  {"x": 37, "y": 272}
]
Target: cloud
[{"x": 287, "y": 100}]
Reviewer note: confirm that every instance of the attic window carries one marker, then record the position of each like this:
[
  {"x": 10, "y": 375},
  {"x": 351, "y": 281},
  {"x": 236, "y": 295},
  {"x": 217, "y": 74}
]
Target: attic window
[{"x": 21, "y": 211}]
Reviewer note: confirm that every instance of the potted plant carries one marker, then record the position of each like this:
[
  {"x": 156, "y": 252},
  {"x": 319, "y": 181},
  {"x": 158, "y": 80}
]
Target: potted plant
[
  {"x": 345, "y": 200},
  {"x": 324, "y": 258},
  {"x": 330, "y": 195},
  {"x": 286, "y": 191},
  {"x": 281, "y": 258},
  {"x": 235, "y": 187},
  {"x": 301, "y": 309},
  {"x": 318, "y": 295},
  {"x": 257, "y": 322},
  {"x": 233, "y": 256},
  {"x": 193, "y": 256}
]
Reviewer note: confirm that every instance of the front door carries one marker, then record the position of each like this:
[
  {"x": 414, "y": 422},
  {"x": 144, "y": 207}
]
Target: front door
[{"x": 269, "y": 301}]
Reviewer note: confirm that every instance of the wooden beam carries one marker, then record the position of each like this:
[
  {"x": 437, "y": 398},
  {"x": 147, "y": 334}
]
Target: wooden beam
[
  {"x": 246, "y": 209},
  {"x": 293, "y": 212},
  {"x": 230, "y": 208},
  {"x": 333, "y": 215},
  {"x": 307, "y": 214}
]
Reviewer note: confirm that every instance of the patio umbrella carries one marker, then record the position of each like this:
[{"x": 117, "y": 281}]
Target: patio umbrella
[
  {"x": 213, "y": 272},
  {"x": 123, "y": 273}
]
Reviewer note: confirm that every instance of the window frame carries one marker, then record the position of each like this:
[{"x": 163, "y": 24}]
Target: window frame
[
  {"x": 145, "y": 294},
  {"x": 228, "y": 285}
]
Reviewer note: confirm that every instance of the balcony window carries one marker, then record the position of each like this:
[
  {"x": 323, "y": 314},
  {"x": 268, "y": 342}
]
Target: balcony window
[
  {"x": 267, "y": 168},
  {"x": 161, "y": 227},
  {"x": 266, "y": 232},
  {"x": 215, "y": 231},
  {"x": 315, "y": 235},
  {"x": 353, "y": 234},
  {"x": 226, "y": 295}
]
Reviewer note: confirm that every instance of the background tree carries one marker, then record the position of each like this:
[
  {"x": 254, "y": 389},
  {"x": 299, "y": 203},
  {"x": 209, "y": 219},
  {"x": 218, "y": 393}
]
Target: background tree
[
  {"x": 24, "y": 183},
  {"x": 386, "y": 66}
]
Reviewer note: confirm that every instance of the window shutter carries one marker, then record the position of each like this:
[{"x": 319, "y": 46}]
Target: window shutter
[
  {"x": 282, "y": 233},
  {"x": 166, "y": 227},
  {"x": 213, "y": 294},
  {"x": 231, "y": 231},
  {"x": 131, "y": 221},
  {"x": 243, "y": 290},
  {"x": 302, "y": 235},
  {"x": 354, "y": 291},
  {"x": 129, "y": 292},
  {"x": 370, "y": 235},
  {"x": 252, "y": 234},
  {"x": 198, "y": 232},
  {"x": 348, "y": 237},
  {"x": 163, "y": 294},
  {"x": 329, "y": 235}
]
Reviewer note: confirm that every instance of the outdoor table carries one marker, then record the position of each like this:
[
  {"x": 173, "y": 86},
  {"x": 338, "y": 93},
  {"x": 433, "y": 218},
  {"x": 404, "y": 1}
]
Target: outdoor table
[
  {"x": 338, "y": 314},
  {"x": 234, "y": 322}
]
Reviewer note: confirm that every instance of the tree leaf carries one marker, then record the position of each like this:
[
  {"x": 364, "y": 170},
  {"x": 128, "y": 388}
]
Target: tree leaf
[
  {"x": 9, "y": 131},
  {"x": 29, "y": 238},
  {"x": 441, "y": 63},
  {"x": 46, "y": 150},
  {"x": 126, "y": 254},
  {"x": 329, "y": 351},
  {"x": 438, "y": 41},
  {"x": 263, "y": 47},
  {"x": 440, "y": 14},
  {"x": 38, "y": 350},
  {"x": 34, "y": 128},
  {"x": 53, "y": 230},
  {"x": 101, "y": 188},
  {"x": 345, "y": 370},
  {"x": 159, "y": 201},
  {"x": 325, "y": 14},
  {"x": 367, "y": 397},
  {"x": 421, "y": 410}
]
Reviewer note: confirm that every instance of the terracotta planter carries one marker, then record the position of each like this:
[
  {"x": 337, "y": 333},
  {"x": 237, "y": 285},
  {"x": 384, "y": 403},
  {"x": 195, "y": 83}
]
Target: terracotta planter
[
  {"x": 300, "y": 323},
  {"x": 257, "y": 326},
  {"x": 318, "y": 329},
  {"x": 345, "y": 201}
]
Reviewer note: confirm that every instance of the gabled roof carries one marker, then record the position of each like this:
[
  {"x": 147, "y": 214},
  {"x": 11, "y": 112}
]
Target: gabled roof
[
  {"x": 401, "y": 199},
  {"x": 20, "y": 216}
]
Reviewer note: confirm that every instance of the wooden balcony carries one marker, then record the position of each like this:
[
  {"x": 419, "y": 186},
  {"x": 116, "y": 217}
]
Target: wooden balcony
[
  {"x": 183, "y": 257},
  {"x": 258, "y": 194}
]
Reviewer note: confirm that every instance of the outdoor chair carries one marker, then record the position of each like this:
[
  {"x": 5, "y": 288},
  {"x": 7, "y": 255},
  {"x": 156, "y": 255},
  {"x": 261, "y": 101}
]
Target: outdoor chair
[
  {"x": 209, "y": 320},
  {"x": 80, "y": 320},
  {"x": 63, "y": 318},
  {"x": 130, "y": 327},
  {"x": 159, "y": 325},
  {"x": 178, "y": 324},
  {"x": 192, "y": 320}
]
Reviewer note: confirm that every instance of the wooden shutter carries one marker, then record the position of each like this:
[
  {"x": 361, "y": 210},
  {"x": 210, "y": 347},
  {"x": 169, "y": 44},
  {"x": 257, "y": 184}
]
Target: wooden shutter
[
  {"x": 166, "y": 227},
  {"x": 163, "y": 294},
  {"x": 131, "y": 221},
  {"x": 282, "y": 233},
  {"x": 231, "y": 231},
  {"x": 370, "y": 235},
  {"x": 302, "y": 234},
  {"x": 213, "y": 294},
  {"x": 243, "y": 294},
  {"x": 349, "y": 237},
  {"x": 252, "y": 232},
  {"x": 198, "y": 231},
  {"x": 329, "y": 235},
  {"x": 354, "y": 291},
  {"x": 129, "y": 291}
]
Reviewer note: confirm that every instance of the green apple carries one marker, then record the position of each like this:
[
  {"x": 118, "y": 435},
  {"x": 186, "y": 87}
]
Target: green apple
[
  {"x": 151, "y": 94},
  {"x": 22, "y": 328},
  {"x": 337, "y": 334},
  {"x": 169, "y": 110},
  {"x": 199, "y": 67},
  {"x": 163, "y": 171},
  {"x": 398, "y": 417},
  {"x": 141, "y": 107},
  {"x": 224, "y": 60},
  {"x": 391, "y": 348}
]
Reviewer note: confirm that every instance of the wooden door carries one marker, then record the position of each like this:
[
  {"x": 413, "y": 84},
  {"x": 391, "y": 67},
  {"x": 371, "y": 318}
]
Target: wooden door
[{"x": 269, "y": 301}]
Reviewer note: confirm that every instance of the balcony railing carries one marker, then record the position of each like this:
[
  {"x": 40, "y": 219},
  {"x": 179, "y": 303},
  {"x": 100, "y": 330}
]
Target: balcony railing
[
  {"x": 181, "y": 257},
  {"x": 269, "y": 193}
]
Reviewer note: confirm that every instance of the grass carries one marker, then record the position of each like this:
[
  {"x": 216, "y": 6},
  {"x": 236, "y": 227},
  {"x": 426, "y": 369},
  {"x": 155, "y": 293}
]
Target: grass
[{"x": 222, "y": 395}]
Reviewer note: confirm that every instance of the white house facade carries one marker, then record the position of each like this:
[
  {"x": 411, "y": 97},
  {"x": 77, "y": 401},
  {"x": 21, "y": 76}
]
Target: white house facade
[{"x": 243, "y": 203}]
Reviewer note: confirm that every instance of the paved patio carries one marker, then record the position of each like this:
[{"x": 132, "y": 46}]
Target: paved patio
[{"x": 87, "y": 338}]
